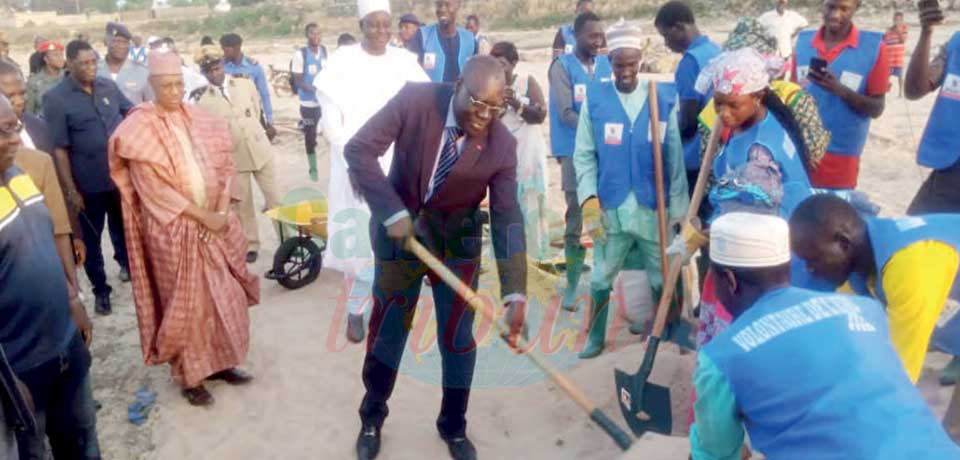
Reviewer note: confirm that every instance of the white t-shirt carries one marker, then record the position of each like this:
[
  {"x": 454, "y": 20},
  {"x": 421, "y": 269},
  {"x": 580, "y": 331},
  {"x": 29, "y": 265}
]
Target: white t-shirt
[
  {"x": 783, "y": 27},
  {"x": 296, "y": 61},
  {"x": 296, "y": 66}
]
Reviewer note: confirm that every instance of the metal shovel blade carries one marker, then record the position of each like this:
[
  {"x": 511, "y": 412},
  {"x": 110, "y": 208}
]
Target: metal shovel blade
[{"x": 645, "y": 406}]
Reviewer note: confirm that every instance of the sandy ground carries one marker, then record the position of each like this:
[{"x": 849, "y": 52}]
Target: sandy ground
[{"x": 303, "y": 404}]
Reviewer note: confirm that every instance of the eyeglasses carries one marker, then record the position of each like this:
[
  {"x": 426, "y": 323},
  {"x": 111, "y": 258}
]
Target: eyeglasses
[
  {"x": 11, "y": 130},
  {"x": 495, "y": 110}
]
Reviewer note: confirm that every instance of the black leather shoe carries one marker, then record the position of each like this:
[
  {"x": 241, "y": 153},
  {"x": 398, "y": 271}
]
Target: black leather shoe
[
  {"x": 102, "y": 305},
  {"x": 461, "y": 449},
  {"x": 368, "y": 443},
  {"x": 252, "y": 256}
]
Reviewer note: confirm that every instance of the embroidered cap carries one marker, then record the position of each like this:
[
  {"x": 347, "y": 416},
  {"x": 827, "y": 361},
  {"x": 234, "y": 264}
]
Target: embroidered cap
[
  {"x": 624, "y": 35},
  {"x": 164, "y": 63},
  {"x": 746, "y": 240}
]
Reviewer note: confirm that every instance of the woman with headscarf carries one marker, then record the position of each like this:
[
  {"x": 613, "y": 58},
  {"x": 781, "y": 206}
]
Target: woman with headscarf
[
  {"x": 751, "y": 34},
  {"x": 173, "y": 165},
  {"x": 526, "y": 111},
  {"x": 754, "y": 118}
]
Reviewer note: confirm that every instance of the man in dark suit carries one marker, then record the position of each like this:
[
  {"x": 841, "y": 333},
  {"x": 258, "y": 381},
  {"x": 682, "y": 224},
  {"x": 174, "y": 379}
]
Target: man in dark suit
[{"x": 450, "y": 148}]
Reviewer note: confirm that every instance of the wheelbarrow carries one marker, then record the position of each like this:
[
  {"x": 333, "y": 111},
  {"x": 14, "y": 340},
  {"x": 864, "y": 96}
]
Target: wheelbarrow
[{"x": 302, "y": 227}]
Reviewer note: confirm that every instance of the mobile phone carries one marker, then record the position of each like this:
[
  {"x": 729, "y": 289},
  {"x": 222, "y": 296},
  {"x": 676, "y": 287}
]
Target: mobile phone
[
  {"x": 927, "y": 5},
  {"x": 818, "y": 65}
]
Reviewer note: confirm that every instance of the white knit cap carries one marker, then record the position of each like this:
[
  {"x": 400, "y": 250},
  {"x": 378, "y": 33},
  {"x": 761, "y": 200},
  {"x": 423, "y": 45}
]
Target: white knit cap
[
  {"x": 365, "y": 7},
  {"x": 741, "y": 239},
  {"x": 624, "y": 35}
]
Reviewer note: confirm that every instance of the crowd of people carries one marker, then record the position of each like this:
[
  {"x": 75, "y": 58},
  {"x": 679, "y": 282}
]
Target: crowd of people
[{"x": 433, "y": 134}]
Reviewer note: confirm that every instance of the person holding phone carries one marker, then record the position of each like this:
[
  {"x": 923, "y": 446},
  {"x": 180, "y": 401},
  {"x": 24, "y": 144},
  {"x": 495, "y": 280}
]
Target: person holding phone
[
  {"x": 847, "y": 73},
  {"x": 939, "y": 148}
]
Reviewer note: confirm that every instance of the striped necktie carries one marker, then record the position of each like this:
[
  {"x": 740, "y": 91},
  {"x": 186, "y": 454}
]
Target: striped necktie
[{"x": 448, "y": 158}]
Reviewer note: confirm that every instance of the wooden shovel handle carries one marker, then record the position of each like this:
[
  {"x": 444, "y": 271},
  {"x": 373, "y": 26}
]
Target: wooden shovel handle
[
  {"x": 699, "y": 190},
  {"x": 478, "y": 307},
  {"x": 658, "y": 174}
]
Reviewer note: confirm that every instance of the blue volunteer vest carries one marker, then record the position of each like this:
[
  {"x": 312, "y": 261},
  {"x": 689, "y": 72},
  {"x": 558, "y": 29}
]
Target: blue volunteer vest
[
  {"x": 311, "y": 68},
  {"x": 569, "y": 38},
  {"x": 435, "y": 60},
  {"x": 815, "y": 376},
  {"x": 848, "y": 129},
  {"x": 940, "y": 146},
  {"x": 890, "y": 236},
  {"x": 770, "y": 134},
  {"x": 563, "y": 137},
  {"x": 625, "y": 150},
  {"x": 702, "y": 53}
]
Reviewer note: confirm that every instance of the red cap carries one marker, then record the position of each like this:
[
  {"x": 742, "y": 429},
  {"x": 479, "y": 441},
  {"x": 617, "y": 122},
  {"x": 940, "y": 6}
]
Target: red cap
[{"x": 49, "y": 45}]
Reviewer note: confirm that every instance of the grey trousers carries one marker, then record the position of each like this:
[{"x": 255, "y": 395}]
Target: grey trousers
[{"x": 573, "y": 217}]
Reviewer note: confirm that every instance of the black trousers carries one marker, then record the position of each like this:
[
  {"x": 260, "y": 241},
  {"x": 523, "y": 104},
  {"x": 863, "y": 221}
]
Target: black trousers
[
  {"x": 65, "y": 410},
  {"x": 940, "y": 193},
  {"x": 397, "y": 285},
  {"x": 311, "y": 118},
  {"x": 102, "y": 208}
]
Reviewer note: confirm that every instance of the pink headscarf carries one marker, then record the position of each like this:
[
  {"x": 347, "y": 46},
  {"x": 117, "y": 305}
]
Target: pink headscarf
[
  {"x": 739, "y": 72},
  {"x": 164, "y": 63}
]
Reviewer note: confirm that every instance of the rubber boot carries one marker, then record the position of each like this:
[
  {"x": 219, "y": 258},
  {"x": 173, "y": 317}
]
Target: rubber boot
[
  {"x": 951, "y": 373},
  {"x": 575, "y": 256},
  {"x": 312, "y": 162},
  {"x": 597, "y": 335}
]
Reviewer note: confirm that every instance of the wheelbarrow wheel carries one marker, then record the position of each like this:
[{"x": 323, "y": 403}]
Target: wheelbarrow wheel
[{"x": 297, "y": 262}]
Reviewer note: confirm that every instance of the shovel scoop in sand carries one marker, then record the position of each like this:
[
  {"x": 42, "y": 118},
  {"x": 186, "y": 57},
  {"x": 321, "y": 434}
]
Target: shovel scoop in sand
[{"x": 646, "y": 406}]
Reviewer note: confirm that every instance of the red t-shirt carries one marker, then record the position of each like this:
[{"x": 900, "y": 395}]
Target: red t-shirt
[{"x": 840, "y": 171}]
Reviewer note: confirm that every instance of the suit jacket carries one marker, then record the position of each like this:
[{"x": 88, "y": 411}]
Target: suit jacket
[
  {"x": 251, "y": 148},
  {"x": 38, "y": 131},
  {"x": 413, "y": 121}
]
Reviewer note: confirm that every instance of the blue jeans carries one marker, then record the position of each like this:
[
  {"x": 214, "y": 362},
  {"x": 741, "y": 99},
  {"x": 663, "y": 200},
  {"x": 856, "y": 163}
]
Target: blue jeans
[{"x": 65, "y": 411}]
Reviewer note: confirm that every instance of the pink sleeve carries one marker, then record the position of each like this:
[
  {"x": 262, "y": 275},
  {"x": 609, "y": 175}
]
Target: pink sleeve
[{"x": 158, "y": 198}]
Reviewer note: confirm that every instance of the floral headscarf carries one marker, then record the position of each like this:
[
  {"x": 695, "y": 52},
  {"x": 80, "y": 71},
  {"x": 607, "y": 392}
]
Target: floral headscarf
[{"x": 736, "y": 73}]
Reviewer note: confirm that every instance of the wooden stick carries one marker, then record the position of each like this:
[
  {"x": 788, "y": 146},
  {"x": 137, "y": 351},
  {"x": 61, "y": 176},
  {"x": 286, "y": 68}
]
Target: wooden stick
[
  {"x": 699, "y": 190},
  {"x": 658, "y": 175},
  {"x": 477, "y": 306}
]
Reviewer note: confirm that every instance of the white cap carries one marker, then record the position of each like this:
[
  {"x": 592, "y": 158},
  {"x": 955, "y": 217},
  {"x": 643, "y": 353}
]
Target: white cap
[
  {"x": 365, "y": 7},
  {"x": 741, "y": 239},
  {"x": 624, "y": 35}
]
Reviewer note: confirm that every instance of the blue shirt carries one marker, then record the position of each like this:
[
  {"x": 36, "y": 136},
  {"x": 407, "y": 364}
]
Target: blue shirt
[
  {"x": 451, "y": 50},
  {"x": 687, "y": 72},
  {"x": 82, "y": 124},
  {"x": 35, "y": 324},
  {"x": 247, "y": 69},
  {"x": 697, "y": 56}
]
